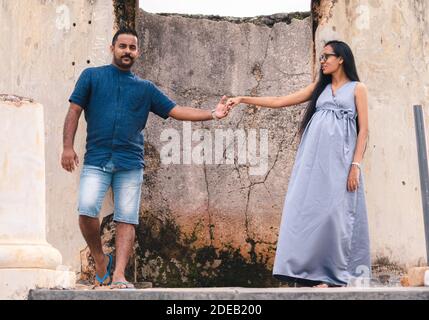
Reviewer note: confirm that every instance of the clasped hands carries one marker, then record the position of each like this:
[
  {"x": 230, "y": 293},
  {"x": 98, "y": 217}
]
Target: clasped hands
[{"x": 225, "y": 105}]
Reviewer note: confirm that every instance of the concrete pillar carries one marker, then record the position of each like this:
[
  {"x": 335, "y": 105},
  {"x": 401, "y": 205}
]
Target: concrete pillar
[{"x": 27, "y": 260}]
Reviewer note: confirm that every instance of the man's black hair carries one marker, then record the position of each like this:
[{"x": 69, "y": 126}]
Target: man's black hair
[{"x": 124, "y": 31}]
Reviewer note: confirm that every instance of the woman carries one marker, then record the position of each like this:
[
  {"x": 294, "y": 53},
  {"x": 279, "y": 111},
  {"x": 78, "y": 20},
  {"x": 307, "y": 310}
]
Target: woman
[{"x": 323, "y": 239}]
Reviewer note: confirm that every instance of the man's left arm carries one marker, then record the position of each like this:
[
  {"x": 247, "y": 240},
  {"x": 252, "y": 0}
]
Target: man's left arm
[{"x": 195, "y": 114}]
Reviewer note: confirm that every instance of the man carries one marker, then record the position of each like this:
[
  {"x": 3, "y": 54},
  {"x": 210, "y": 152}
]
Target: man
[{"x": 116, "y": 104}]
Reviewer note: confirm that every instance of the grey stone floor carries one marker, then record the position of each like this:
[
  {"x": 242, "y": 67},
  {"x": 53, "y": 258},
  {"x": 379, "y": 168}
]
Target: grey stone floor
[{"x": 371, "y": 293}]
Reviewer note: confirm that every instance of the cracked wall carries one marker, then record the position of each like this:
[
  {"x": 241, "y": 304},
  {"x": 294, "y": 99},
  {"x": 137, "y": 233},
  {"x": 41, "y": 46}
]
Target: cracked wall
[
  {"x": 211, "y": 225},
  {"x": 199, "y": 222},
  {"x": 224, "y": 211}
]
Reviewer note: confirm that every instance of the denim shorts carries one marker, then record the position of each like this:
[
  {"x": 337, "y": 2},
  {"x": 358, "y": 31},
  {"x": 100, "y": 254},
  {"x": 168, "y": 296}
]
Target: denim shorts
[{"x": 126, "y": 187}]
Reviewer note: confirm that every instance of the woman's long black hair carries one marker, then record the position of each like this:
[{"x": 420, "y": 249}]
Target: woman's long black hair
[{"x": 341, "y": 49}]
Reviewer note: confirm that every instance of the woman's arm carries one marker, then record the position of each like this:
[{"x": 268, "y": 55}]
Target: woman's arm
[
  {"x": 362, "y": 110},
  {"x": 361, "y": 98},
  {"x": 275, "y": 102}
]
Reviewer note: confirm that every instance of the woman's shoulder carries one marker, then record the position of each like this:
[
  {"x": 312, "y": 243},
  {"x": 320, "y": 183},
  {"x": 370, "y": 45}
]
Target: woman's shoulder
[
  {"x": 359, "y": 84},
  {"x": 360, "y": 87}
]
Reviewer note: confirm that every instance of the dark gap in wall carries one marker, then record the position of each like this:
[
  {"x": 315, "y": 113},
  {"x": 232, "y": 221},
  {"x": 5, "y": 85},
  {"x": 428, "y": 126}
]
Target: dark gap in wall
[
  {"x": 125, "y": 13},
  {"x": 315, "y": 17}
]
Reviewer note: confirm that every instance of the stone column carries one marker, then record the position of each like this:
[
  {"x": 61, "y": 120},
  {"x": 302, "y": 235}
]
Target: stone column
[{"x": 27, "y": 261}]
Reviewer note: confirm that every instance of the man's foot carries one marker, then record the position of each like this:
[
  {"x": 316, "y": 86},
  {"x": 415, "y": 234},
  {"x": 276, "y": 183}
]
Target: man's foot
[
  {"x": 119, "y": 282},
  {"x": 121, "y": 285},
  {"x": 103, "y": 270}
]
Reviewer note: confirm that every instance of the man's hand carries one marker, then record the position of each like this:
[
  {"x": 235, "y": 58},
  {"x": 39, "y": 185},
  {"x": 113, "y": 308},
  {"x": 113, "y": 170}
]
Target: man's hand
[
  {"x": 221, "y": 110},
  {"x": 69, "y": 160},
  {"x": 196, "y": 114}
]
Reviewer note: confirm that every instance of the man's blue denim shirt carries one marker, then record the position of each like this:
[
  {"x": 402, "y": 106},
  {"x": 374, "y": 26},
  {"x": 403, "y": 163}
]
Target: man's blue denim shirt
[{"x": 116, "y": 105}]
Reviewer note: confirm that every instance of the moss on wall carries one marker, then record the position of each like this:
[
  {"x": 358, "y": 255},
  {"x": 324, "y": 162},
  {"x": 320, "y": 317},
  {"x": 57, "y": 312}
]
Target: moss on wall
[{"x": 166, "y": 257}]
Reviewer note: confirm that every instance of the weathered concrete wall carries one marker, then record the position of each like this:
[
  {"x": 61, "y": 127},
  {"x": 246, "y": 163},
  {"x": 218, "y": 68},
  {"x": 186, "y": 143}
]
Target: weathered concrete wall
[
  {"x": 202, "y": 223},
  {"x": 46, "y": 45},
  {"x": 390, "y": 40},
  {"x": 217, "y": 224}
]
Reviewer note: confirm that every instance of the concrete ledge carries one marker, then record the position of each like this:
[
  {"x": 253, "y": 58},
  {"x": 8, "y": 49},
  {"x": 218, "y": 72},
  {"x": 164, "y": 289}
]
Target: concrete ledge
[
  {"x": 237, "y": 294},
  {"x": 16, "y": 283}
]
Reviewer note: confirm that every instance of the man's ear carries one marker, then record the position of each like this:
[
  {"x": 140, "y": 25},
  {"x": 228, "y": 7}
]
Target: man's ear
[{"x": 112, "y": 48}]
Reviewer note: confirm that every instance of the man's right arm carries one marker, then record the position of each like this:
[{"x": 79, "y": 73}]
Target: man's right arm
[{"x": 69, "y": 158}]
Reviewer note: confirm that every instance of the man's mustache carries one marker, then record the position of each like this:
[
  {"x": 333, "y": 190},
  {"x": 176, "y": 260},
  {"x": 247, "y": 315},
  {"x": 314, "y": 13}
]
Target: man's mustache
[{"x": 127, "y": 56}]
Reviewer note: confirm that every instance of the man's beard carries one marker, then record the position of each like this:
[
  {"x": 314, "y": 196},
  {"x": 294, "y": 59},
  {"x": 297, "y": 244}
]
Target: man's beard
[{"x": 121, "y": 64}]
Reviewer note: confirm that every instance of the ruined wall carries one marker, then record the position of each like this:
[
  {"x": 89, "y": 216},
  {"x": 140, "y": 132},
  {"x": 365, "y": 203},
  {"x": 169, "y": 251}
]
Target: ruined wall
[
  {"x": 217, "y": 224},
  {"x": 45, "y": 46},
  {"x": 390, "y": 40}
]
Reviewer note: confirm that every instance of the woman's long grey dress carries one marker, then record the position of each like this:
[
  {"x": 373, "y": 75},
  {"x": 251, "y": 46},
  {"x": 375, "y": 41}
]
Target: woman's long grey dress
[{"x": 324, "y": 230}]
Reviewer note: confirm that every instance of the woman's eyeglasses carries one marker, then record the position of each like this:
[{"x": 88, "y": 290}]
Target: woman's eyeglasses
[{"x": 325, "y": 56}]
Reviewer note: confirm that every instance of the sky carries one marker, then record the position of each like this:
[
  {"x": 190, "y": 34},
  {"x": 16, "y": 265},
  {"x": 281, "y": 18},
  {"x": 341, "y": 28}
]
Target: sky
[{"x": 234, "y": 8}]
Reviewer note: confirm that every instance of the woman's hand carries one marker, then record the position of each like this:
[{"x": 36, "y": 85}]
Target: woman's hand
[
  {"x": 353, "y": 179},
  {"x": 232, "y": 102}
]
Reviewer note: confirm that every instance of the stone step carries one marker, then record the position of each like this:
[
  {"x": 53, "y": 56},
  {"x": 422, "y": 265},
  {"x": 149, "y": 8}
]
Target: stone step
[{"x": 387, "y": 293}]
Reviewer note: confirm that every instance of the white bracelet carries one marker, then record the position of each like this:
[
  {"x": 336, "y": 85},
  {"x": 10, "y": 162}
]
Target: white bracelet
[
  {"x": 213, "y": 115},
  {"x": 357, "y": 164}
]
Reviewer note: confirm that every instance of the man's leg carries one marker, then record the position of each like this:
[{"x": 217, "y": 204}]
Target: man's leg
[
  {"x": 94, "y": 183},
  {"x": 90, "y": 228},
  {"x": 127, "y": 192},
  {"x": 125, "y": 235}
]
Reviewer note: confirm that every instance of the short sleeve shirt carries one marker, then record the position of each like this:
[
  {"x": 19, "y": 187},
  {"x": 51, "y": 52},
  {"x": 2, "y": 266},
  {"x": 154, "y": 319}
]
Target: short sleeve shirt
[{"x": 116, "y": 105}]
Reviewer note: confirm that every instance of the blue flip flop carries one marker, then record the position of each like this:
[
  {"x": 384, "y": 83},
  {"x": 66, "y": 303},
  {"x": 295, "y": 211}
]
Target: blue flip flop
[{"x": 108, "y": 272}]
